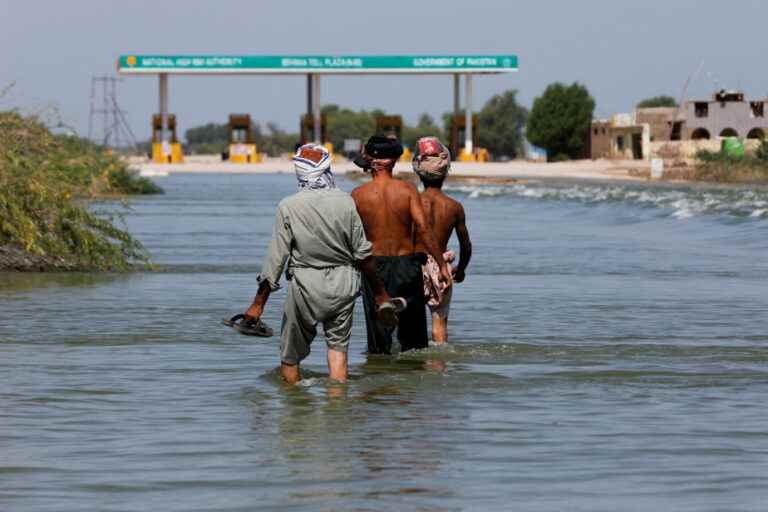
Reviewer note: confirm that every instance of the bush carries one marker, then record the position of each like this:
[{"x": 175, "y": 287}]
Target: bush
[
  {"x": 658, "y": 101},
  {"x": 719, "y": 166},
  {"x": 762, "y": 151},
  {"x": 46, "y": 184}
]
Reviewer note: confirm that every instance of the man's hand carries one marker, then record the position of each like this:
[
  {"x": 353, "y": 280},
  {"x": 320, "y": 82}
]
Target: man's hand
[
  {"x": 458, "y": 275},
  {"x": 445, "y": 276},
  {"x": 382, "y": 298}
]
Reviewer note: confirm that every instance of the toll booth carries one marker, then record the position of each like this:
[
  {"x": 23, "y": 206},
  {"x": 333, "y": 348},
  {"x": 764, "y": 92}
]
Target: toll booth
[
  {"x": 393, "y": 126},
  {"x": 458, "y": 130},
  {"x": 308, "y": 129},
  {"x": 242, "y": 148},
  {"x": 389, "y": 125},
  {"x": 168, "y": 152},
  {"x": 307, "y": 133}
]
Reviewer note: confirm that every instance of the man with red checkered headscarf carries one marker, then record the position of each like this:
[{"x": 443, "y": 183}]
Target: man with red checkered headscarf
[{"x": 431, "y": 162}]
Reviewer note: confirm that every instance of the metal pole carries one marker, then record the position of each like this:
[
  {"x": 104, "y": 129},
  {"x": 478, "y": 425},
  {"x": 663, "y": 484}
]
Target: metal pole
[
  {"x": 468, "y": 113},
  {"x": 316, "y": 114},
  {"x": 163, "y": 107},
  {"x": 456, "y": 94},
  {"x": 310, "y": 92}
]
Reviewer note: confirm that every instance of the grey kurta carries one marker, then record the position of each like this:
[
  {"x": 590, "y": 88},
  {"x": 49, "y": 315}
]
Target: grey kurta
[{"x": 318, "y": 234}]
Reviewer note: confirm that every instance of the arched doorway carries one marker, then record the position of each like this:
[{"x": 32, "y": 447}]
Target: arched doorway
[
  {"x": 729, "y": 132},
  {"x": 700, "y": 134},
  {"x": 756, "y": 133}
]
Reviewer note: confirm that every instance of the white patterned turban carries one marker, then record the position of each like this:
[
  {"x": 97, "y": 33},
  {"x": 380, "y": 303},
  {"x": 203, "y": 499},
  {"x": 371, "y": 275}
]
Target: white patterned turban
[{"x": 312, "y": 163}]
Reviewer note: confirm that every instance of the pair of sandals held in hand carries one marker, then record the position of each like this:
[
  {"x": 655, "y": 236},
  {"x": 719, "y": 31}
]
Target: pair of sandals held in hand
[{"x": 386, "y": 314}]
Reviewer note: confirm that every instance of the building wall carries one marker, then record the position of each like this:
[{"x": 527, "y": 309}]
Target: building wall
[
  {"x": 659, "y": 119},
  {"x": 736, "y": 115},
  {"x": 621, "y": 141},
  {"x": 608, "y": 140},
  {"x": 600, "y": 140}
]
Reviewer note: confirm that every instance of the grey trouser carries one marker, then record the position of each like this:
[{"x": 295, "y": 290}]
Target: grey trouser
[{"x": 315, "y": 296}]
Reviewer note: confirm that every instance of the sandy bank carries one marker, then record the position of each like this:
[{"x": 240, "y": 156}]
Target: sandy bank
[{"x": 580, "y": 169}]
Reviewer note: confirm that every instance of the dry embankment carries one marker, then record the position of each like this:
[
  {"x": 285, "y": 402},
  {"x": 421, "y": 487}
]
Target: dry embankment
[{"x": 48, "y": 185}]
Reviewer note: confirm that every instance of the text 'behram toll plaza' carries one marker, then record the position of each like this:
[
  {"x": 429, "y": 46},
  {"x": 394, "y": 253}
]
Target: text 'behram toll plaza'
[{"x": 166, "y": 148}]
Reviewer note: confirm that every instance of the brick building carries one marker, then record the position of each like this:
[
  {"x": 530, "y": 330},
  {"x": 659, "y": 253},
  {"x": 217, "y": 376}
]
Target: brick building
[{"x": 727, "y": 114}]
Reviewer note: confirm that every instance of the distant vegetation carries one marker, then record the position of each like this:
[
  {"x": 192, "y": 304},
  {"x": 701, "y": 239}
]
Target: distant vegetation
[
  {"x": 658, "y": 101},
  {"x": 560, "y": 121},
  {"x": 47, "y": 185},
  {"x": 719, "y": 166},
  {"x": 500, "y": 120},
  {"x": 213, "y": 138}
]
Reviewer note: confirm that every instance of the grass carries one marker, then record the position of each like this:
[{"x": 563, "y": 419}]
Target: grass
[
  {"x": 47, "y": 185},
  {"x": 721, "y": 167}
]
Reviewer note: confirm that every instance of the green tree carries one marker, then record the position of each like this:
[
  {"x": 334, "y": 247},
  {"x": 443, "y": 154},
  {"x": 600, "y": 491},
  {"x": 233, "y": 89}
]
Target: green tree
[
  {"x": 500, "y": 124},
  {"x": 560, "y": 120},
  {"x": 658, "y": 101}
]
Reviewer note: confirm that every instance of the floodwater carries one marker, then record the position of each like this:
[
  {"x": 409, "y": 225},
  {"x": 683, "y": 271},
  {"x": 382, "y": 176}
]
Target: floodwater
[{"x": 608, "y": 352}]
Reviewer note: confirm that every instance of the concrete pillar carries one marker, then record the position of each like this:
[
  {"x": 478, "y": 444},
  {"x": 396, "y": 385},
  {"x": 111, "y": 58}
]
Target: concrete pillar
[
  {"x": 163, "y": 107},
  {"x": 646, "y": 142},
  {"x": 316, "y": 111},
  {"x": 468, "y": 113}
]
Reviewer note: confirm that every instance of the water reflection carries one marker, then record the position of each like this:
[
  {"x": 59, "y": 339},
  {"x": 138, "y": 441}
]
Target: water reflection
[{"x": 380, "y": 426}]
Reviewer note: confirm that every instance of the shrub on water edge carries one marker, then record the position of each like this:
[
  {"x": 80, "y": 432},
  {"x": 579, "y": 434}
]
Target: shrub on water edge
[
  {"x": 719, "y": 166},
  {"x": 46, "y": 185},
  {"x": 762, "y": 151}
]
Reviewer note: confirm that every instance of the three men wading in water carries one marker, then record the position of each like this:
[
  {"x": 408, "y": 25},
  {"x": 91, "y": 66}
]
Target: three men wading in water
[{"x": 327, "y": 239}]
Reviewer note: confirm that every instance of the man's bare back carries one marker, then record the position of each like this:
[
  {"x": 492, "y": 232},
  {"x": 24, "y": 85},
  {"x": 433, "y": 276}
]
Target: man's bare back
[
  {"x": 384, "y": 206},
  {"x": 444, "y": 215}
]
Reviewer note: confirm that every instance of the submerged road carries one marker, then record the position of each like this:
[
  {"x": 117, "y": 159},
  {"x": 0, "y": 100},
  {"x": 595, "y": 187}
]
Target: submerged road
[{"x": 608, "y": 352}]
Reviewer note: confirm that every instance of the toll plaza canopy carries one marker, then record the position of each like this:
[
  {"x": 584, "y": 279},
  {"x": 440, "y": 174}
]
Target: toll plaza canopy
[
  {"x": 320, "y": 64},
  {"x": 315, "y": 65}
]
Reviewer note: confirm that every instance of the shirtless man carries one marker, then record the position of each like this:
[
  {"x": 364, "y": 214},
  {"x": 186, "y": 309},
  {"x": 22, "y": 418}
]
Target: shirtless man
[
  {"x": 391, "y": 210},
  {"x": 431, "y": 163}
]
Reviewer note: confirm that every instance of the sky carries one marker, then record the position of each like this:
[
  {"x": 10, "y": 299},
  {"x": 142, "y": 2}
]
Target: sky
[{"x": 622, "y": 50}]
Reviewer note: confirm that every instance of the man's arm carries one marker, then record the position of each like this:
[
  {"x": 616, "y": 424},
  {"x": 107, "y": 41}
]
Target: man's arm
[
  {"x": 277, "y": 254},
  {"x": 426, "y": 235},
  {"x": 256, "y": 309},
  {"x": 465, "y": 246},
  {"x": 368, "y": 268}
]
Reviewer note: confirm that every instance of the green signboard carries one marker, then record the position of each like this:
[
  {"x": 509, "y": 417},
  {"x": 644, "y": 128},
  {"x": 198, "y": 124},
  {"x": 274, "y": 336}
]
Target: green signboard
[{"x": 278, "y": 64}]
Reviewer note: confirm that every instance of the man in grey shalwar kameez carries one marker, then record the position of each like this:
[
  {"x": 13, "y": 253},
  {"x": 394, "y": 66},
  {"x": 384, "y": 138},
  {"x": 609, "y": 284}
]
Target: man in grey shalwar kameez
[{"x": 319, "y": 235}]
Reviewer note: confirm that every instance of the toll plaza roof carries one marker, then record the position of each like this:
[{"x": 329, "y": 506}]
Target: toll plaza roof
[{"x": 319, "y": 64}]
